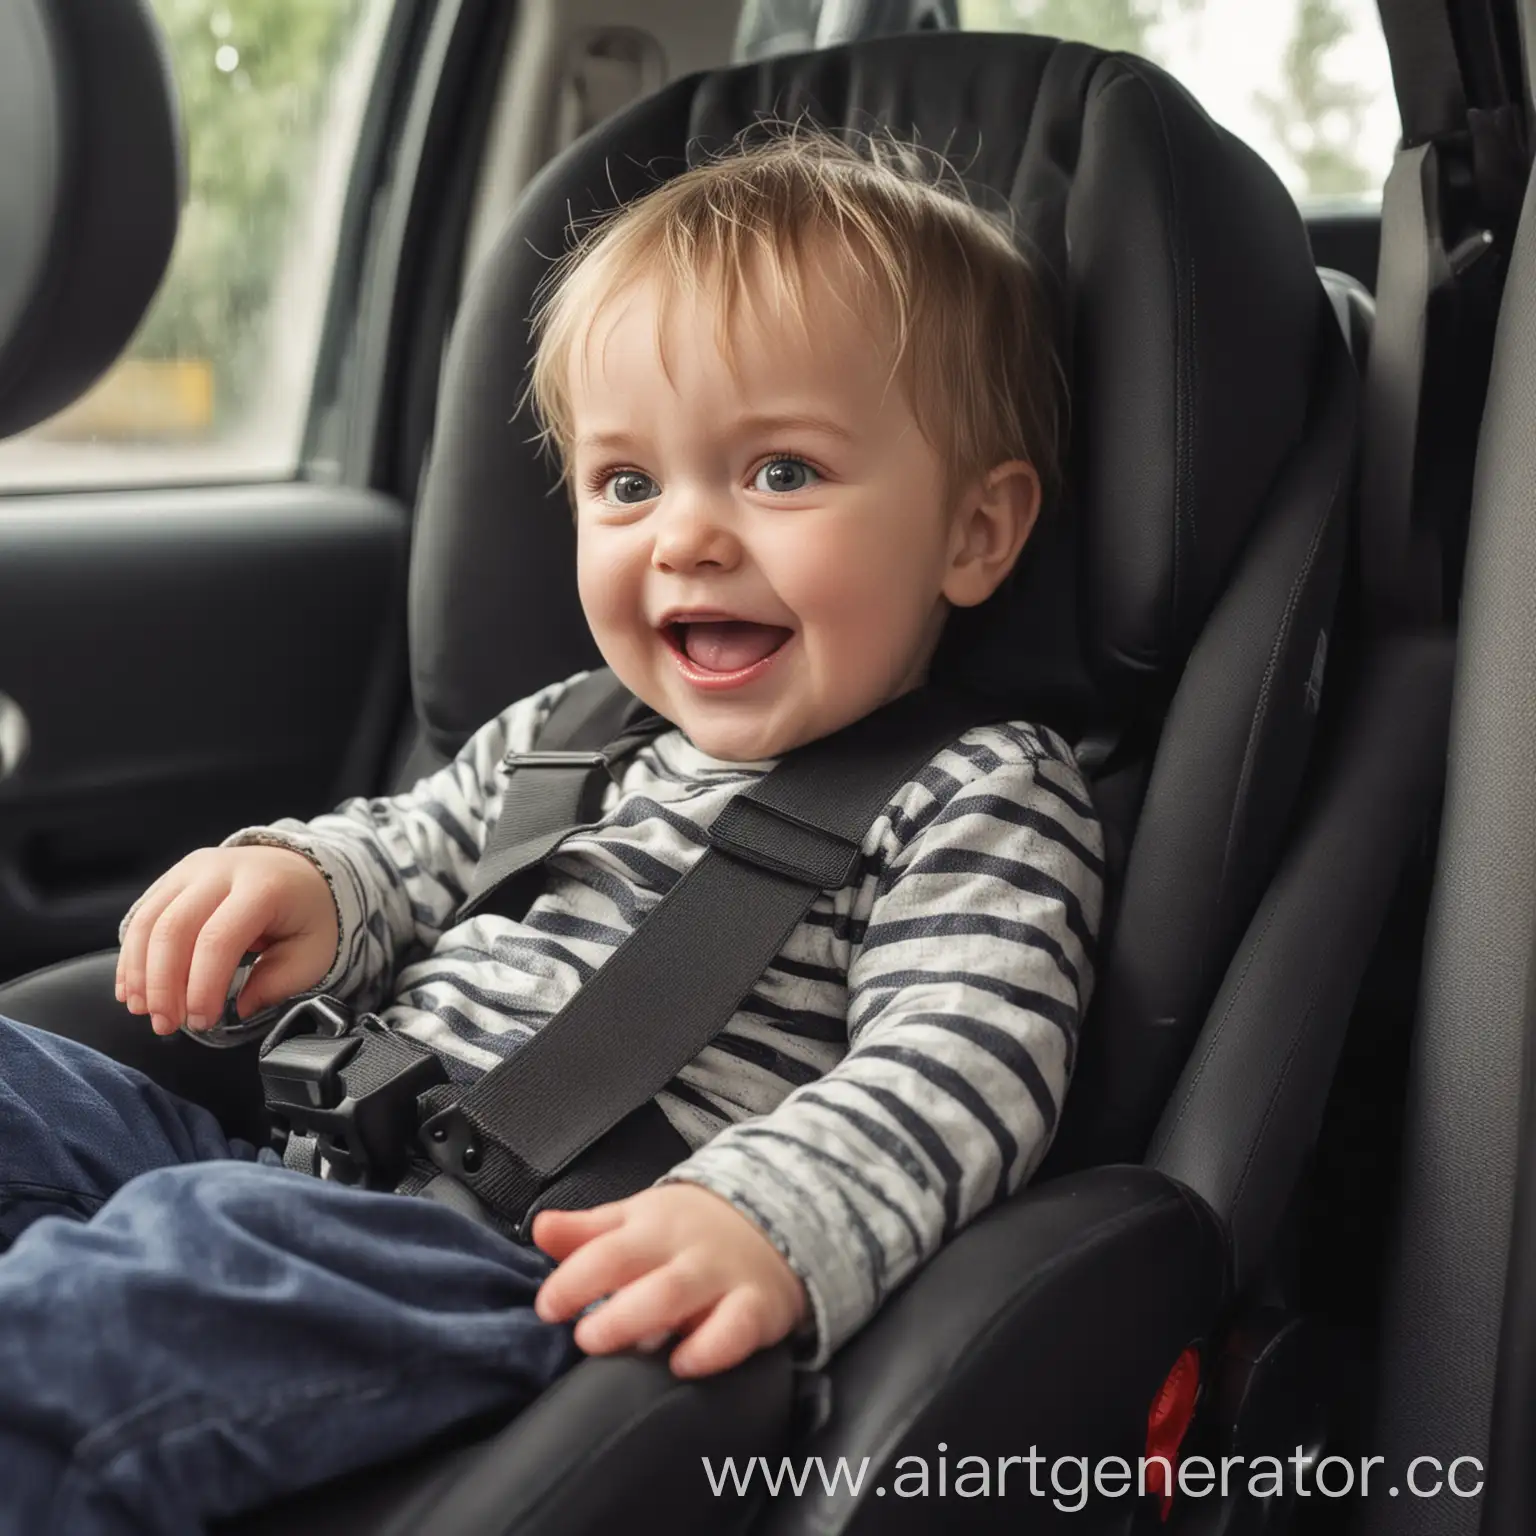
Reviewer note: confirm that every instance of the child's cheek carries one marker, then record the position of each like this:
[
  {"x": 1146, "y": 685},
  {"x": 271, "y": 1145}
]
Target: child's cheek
[
  {"x": 611, "y": 592},
  {"x": 844, "y": 590}
]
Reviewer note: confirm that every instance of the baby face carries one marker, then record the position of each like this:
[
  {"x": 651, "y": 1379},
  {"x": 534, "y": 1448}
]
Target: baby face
[{"x": 765, "y": 552}]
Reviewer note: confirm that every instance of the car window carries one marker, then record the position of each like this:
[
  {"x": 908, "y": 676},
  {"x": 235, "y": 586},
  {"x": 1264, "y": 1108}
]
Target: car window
[
  {"x": 1307, "y": 83},
  {"x": 215, "y": 384}
]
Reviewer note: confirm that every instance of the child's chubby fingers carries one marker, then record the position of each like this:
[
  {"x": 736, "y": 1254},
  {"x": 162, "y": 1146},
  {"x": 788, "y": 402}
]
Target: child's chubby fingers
[
  {"x": 561, "y": 1233},
  {"x": 658, "y": 1303},
  {"x": 131, "y": 954},
  {"x": 738, "y": 1326},
  {"x": 232, "y": 929},
  {"x": 595, "y": 1270},
  {"x": 168, "y": 954}
]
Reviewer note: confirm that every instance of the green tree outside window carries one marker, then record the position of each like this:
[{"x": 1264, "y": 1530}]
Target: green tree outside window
[
  {"x": 253, "y": 77},
  {"x": 1315, "y": 118}
]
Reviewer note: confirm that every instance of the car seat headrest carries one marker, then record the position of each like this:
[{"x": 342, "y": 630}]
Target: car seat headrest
[
  {"x": 1187, "y": 312},
  {"x": 91, "y": 183}
]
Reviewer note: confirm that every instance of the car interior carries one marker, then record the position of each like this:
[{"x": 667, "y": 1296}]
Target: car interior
[{"x": 1282, "y": 611}]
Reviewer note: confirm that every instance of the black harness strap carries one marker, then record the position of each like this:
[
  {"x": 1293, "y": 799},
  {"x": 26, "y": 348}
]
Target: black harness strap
[
  {"x": 569, "y": 1119},
  {"x": 555, "y": 789}
]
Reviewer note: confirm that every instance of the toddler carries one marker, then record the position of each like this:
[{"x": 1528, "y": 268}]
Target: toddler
[{"x": 804, "y": 404}]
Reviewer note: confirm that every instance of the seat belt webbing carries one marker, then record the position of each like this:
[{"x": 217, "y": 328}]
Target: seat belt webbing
[
  {"x": 1448, "y": 214},
  {"x": 682, "y": 975},
  {"x": 556, "y": 788},
  {"x": 1426, "y": 73}
]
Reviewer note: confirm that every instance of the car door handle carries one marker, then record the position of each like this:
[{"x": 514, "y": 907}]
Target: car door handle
[{"x": 15, "y": 736}]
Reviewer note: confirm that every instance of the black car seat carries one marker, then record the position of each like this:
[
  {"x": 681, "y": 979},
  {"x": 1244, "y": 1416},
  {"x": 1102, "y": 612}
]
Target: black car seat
[
  {"x": 91, "y": 187},
  {"x": 1262, "y": 758}
]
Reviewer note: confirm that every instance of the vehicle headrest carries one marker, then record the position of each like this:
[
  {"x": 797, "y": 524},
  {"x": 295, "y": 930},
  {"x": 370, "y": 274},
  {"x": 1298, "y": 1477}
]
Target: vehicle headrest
[
  {"x": 91, "y": 183},
  {"x": 1188, "y": 313}
]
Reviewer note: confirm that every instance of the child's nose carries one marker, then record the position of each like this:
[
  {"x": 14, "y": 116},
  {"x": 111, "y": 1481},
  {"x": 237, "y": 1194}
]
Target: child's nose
[{"x": 693, "y": 536}]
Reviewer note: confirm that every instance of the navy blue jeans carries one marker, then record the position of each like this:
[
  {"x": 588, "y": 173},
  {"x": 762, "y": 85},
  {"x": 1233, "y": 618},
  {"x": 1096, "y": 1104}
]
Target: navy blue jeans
[{"x": 188, "y": 1329}]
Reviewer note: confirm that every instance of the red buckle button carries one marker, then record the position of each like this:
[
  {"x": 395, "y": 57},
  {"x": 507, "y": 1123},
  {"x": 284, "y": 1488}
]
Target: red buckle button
[{"x": 1168, "y": 1421}]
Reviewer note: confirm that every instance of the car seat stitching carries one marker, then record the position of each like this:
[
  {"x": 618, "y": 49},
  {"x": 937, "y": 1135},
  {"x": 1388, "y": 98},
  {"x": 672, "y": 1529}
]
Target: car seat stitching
[
  {"x": 1300, "y": 1037},
  {"x": 1216, "y": 1036}
]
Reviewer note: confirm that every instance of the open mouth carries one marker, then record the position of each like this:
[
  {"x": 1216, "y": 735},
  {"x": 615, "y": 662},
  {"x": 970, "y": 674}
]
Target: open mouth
[
  {"x": 724, "y": 653},
  {"x": 725, "y": 645}
]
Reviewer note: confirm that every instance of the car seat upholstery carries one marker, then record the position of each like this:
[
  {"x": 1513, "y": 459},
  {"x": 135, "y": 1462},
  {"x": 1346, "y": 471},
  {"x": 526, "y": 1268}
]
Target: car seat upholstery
[
  {"x": 91, "y": 186},
  {"x": 1173, "y": 617}
]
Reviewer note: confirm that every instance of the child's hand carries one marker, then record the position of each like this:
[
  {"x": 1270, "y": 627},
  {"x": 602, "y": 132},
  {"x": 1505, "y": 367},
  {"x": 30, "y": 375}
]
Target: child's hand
[
  {"x": 193, "y": 925},
  {"x": 675, "y": 1259}
]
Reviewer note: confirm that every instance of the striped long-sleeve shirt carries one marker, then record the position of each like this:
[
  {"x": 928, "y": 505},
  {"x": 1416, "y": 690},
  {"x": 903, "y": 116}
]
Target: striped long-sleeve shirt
[{"x": 899, "y": 1066}]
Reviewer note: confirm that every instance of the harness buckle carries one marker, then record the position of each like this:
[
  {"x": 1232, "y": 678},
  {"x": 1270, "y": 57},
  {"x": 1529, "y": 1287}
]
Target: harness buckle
[{"x": 349, "y": 1082}]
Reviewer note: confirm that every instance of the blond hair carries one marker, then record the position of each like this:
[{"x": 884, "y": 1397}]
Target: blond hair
[{"x": 957, "y": 298}]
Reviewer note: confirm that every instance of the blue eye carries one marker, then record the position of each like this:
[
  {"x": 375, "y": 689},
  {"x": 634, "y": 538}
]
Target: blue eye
[
  {"x": 784, "y": 476},
  {"x": 629, "y": 488}
]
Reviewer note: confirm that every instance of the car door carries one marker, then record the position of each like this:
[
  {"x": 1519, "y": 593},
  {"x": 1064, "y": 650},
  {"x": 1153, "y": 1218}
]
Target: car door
[{"x": 202, "y": 562}]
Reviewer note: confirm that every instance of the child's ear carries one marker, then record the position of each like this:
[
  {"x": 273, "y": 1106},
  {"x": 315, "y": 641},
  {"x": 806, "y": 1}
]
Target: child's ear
[{"x": 992, "y": 522}]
